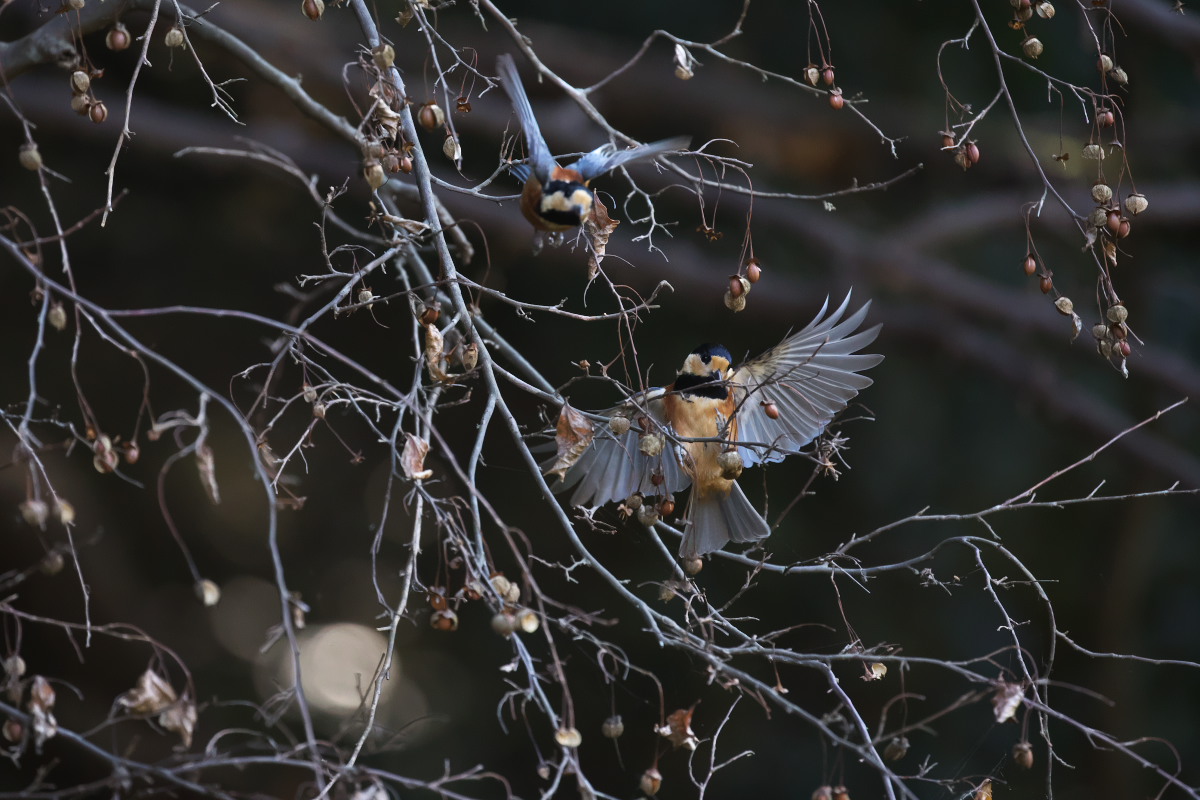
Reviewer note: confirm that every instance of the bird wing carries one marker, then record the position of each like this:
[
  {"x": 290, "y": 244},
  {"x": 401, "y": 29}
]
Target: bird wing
[
  {"x": 607, "y": 157},
  {"x": 614, "y": 467},
  {"x": 809, "y": 377},
  {"x": 540, "y": 158}
]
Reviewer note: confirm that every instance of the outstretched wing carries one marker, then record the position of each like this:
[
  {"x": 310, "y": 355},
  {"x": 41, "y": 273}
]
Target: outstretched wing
[
  {"x": 607, "y": 157},
  {"x": 804, "y": 381},
  {"x": 540, "y": 158},
  {"x": 614, "y": 466}
]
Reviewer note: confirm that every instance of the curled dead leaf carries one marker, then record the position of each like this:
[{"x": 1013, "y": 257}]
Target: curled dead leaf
[
  {"x": 151, "y": 694},
  {"x": 180, "y": 718},
  {"x": 599, "y": 227},
  {"x": 208, "y": 472},
  {"x": 1007, "y": 700},
  {"x": 678, "y": 729},
  {"x": 413, "y": 458},
  {"x": 435, "y": 353},
  {"x": 573, "y": 437}
]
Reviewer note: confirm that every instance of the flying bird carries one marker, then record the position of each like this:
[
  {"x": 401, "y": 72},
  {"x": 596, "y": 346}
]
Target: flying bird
[
  {"x": 557, "y": 199},
  {"x": 716, "y": 419}
]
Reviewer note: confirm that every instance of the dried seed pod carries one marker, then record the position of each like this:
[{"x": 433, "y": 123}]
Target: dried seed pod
[
  {"x": 667, "y": 507},
  {"x": 739, "y": 286},
  {"x": 98, "y": 112},
  {"x": 960, "y": 158},
  {"x": 207, "y": 592},
  {"x": 34, "y": 512},
  {"x": 313, "y": 9},
  {"x": 693, "y": 565},
  {"x": 117, "y": 38},
  {"x": 568, "y": 737},
  {"x": 508, "y": 591},
  {"x": 1105, "y": 64},
  {"x": 57, "y": 317},
  {"x": 80, "y": 104},
  {"x": 1120, "y": 76},
  {"x": 29, "y": 157},
  {"x": 619, "y": 425},
  {"x": 634, "y": 501},
  {"x": 771, "y": 410},
  {"x": 753, "y": 271},
  {"x": 1113, "y": 220},
  {"x": 430, "y": 313},
  {"x": 431, "y": 116},
  {"x": 528, "y": 620},
  {"x": 1117, "y": 313},
  {"x": 1136, "y": 203},
  {"x": 1100, "y": 331},
  {"x": 504, "y": 624},
  {"x": 730, "y": 464},
  {"x": 647, "y": 515},
  {"x": 841, "y": 793},
  {"x": 812, "y": 74},
  {"x": 469, "y": 356},
  {"x": 613, "y": 727},
  {"x": 1093, "y": 152},
  {"x": 973, "y": 152},
  {"x": 1030, "y": 264},
  {"x": 827, "y": 76},
  {"x": 52, "y": 563},
  {"x": 1098, "y": 218},
  {"x": 451, "y": 149},
  {"x": 374, "y": 175},
  {"x": 896, "y": 749},
  {"x": 1045, "y": 10},
  {"x": 1032, "y": 47},
  {"x": 836, "y": 101},
  {"x": 652, "y": 444},
  {"x": 13, "y": 730},
  {"x": 823, "y": 793},
  {"x": 735, "y": 304},
  {"x": 174, "y": 37},
  {"x": 1065, "y": 306},
  {"x": 1124, "y": 349},
  {"x": 1101, "y": 192},
  {"x": 1022, "y": 755},
  {"x": 650, "y": 782},
  {"x": 76, "y": 4},
  {"x": 1023, "y": 14},
  {"x": 64, "y": 512},
  {"x": 80, "y": 82},
  {"x": 444, "y": 620},
  {"x": 1046, "y": 284},
  {"x": 1123, "y": 228},
  {"x": 384, "y": 55},
  {"x": 1105, "y": 118}
]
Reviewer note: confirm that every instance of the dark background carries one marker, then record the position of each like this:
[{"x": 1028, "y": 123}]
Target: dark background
[{"x": 982, "y": 393}]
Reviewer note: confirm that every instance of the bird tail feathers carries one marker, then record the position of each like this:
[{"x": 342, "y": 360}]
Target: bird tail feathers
[{"x": 714, "y": 520}]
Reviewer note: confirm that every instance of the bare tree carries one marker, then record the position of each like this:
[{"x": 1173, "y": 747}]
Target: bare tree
[{"x": 290, "y": 348}]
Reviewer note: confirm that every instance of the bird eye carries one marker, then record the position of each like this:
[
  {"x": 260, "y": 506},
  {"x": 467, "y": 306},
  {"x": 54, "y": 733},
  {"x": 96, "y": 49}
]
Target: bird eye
[{"x": 706, "y": 358}]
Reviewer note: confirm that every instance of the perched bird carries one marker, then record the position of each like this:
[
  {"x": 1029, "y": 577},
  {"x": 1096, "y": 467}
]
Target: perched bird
[
  {"x": 556, "y": 199},
  {"x": 715, "y": 419}
]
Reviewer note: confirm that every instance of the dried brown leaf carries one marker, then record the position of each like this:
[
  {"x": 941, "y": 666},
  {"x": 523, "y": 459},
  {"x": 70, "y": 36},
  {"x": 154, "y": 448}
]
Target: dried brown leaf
[
  {"x": 573, "y": 437},
  {"x": 435, "y": 353},
  {"x": 1007, "y": 700},
  {"x": 678, "y": 729},
  {"x": 412, "y": 460},
  {"x": 599, "y": 227},
  {"x": 151, "y": 694},
  {"x": 180, "y": 718}
]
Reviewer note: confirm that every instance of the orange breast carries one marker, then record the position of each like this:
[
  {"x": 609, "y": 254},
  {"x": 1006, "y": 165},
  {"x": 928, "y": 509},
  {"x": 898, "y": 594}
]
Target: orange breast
[{"x": 700, "y": 418}]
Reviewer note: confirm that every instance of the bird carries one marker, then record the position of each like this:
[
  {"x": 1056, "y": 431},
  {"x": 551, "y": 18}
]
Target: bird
[
  {"x": 715, "y": 419},
  {"x": 556, "y": 199}
]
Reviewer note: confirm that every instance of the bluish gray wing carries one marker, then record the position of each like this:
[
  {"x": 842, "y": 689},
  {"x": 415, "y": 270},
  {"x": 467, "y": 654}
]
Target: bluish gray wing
[
  {"x": 807, "y": 379},
  {"x": 540, "y": 158},
  {"x": 614, "y": 466},
  {"x": 607, "y": 157}
]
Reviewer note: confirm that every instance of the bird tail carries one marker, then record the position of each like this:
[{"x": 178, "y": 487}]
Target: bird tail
[{"x": 714, "y": 520}]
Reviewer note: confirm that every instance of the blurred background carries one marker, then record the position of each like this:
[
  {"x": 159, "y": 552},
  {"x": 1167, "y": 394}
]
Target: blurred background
[{"x": 982, "y": 395}]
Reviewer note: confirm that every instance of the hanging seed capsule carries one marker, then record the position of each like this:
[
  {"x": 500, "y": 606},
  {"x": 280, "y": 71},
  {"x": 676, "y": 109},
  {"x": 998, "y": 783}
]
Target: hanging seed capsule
[
  {"x": 1112, "y": 220},
  {"x": 174, "y": 37},
  {"x": 827, "y": 76},
  {"x": 961, "y": 159},
  {"x": 117, "y": 38},
  {"x": 650, "y": 782},
  {"x": 1046, "y": 284},
  {"x": 771, "y": 410},
  {"x": 836, "y": 101},
  {"x": 648, "y": 515},
  {"x": 80, "y": 103},
  {"x": 431, "y": 116},
  {"x": 1106, "y": 118},
  {"x": 693, "y": 565},
  {"x": 80, "y": 82},
  {"x": 1120, "y": 76},
  {"x": 1093, "y": 152},
  {"x": 1045, "y": 10},
  {"x": 504, "y": 624},
  {"x": 384, "y": 55},
  {"x": 613, "y": 727},
  {"x": 812, "y": 74},
  {"x": 1022, "y": 755},
  {"x": 1033, "y": 47},
  {"x": 896, "y": 749},
  {"x": 735, "y": 304},
  {"x": 1030, "y": 264},
  {"x": 313, "y": 9},
  {"x": 973, "y": 153},
  {"x": 451, "y": 149},
  {"x": 1098, "y": 218},
  {"x": 1101, "y": 193},
  {"x": 443, "y": 620},
  {"x": 29, "y": 157},
  {"x": 568, "y": 737},
  {"x": 1117, "y": 313},
  {"x": 738, "y": 286},
  {"x": 1105, "y": 64},
  {"x": 1065, "y": 306},
  {"x": 98, "y": 112},
  {"x": 374, "y": 174},
  {"x": 753, "y": 271},
  {"x": 1123, "y": 228},
  {"x": 619, "y": 425},
  {"x": 651, "y": 444},
  {"x": 1136, "y": 203}
]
